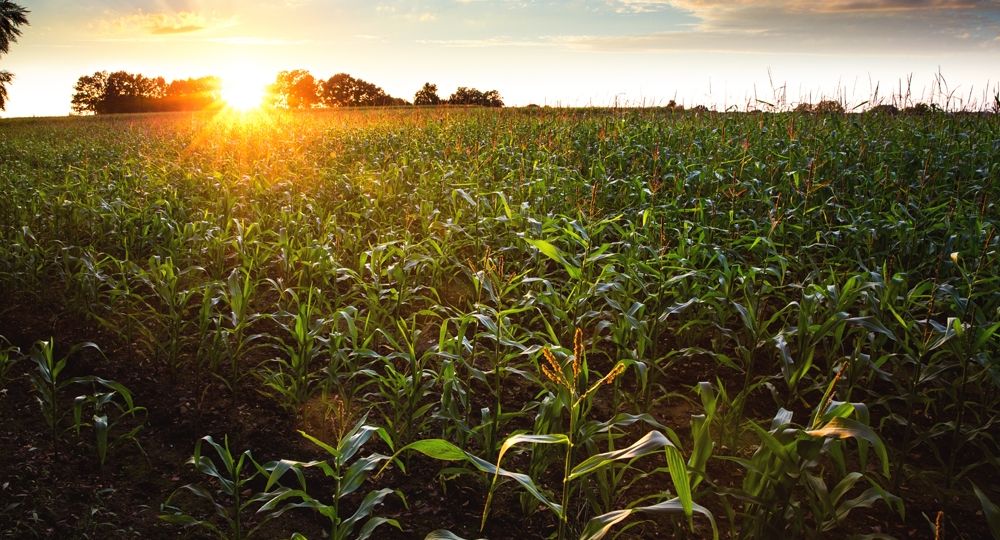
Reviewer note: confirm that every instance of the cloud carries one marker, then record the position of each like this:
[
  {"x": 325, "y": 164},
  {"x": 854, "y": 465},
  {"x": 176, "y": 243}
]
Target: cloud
[
  {"x": 160, "y": 23},
  {"x": 411, "y": 14},
  {"x": 889, "y": 26},
  {"x": 709, "y": 9}
]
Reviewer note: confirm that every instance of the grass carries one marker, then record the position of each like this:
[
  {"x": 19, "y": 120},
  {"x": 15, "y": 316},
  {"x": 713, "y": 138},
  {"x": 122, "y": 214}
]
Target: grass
[{"x": 423, "y": 266}]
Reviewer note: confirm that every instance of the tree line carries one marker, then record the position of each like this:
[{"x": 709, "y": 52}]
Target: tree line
[{"x": 123, "y": 92}]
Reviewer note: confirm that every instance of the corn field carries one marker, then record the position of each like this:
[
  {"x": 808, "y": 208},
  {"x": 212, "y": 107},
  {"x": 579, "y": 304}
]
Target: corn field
[{"x": 463, "y": 323}]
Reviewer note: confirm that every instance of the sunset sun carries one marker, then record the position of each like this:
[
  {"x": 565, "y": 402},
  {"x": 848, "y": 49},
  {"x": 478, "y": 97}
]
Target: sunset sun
[{"x": 242, "y": 93}]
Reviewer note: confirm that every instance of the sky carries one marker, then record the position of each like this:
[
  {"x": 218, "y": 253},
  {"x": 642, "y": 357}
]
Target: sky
[{"x": 562, "y": 52}]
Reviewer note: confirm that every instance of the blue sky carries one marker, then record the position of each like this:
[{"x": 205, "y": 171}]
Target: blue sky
[{"x": 570, "y": 52}]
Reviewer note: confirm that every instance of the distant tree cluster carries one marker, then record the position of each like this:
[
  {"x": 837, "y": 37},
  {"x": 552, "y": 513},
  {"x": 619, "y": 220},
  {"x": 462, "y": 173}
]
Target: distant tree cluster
[
  {"x": 123, "y": 92},
  {"x": 342, "y": 90},
  {"x": 471, "y": 96},
  {"x": 427, "y": 95},
  {"x": 835, "y": 107},
  {"x": 11, "y": 16},
  {"x": 673, "y": 106},
  {"x": 298, "y": 89},
  {"x": 827, "y": 106}
]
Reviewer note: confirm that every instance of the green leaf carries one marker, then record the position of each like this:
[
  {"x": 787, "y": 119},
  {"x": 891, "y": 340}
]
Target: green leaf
[
  {"x": 682, "y": 482},
  {"x": 369, "y": 527},
  {"x": 509, "y": 442},
  {"x": 279, "y": 468},
  {"x": 990, "y": 510},
  {"x": 599, "y": 526},
  {"x": 367, "y": 506},
  {"x": 445, "y": 451},
  {"x": 649, "y": 443},
  {"x": 101, "y": 432},
  {"x": 443, "y": 534},
  {"x": 846, "y": 428},
  {"x": 552, "y": 252},
  {"x": 547, "y": 248},
  {"x": 437, "y": 449}
]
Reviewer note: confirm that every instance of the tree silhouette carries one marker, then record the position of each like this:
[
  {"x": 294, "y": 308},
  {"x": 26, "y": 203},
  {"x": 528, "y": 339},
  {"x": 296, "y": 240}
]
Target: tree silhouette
[
  {"x": 295, "y": 89},
  {"x": 11, "y": 17},
  {"x": 192, "y": 94},
  {"x": 471, "y": 96},
  {"x": 88, "y": 93},
  {"x": 427, "y": 95},
  {"x": 828, "y": 106},
  {"x": 342, "y": 90},
  {"x": 122, "y": 92}
]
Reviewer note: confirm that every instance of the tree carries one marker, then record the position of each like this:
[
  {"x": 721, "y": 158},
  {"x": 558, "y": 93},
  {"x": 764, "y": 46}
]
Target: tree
[
  {"x": 88, "y": 93},
  {"x": 191, "y": 94},
  {"x": 465, "y": 96},
  {"x": 491, "y": 98},
  {"x": 296, "y": 89},
  {"x": 427, "y": 95},
  {"x": 11, "y": 17},
  {"x": 828, "y": 106},
  {"x": 884, "y": 109},
  {"x": 342, "y": 90},
  {"x": 123, "y": 92},
  {"x": 471, "y": 96},
  {"x": 5, "y": 78}
]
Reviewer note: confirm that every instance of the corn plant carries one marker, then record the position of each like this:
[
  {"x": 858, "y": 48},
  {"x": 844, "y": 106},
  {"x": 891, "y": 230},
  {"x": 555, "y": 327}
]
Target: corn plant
[
  {"x": 169, "y": 308},
  {"x": 405, "y": 383},
  {"x": 236, "y": 325},
  {"x": 785, "y": 489},
  {"x": 230, "y": 478},
  {"x": 49, "y": 384},
  {"x": 294, "y": 376},
  {"x": 348, "y": 475},
  {"x": 569, "y": 385},
  {"x": 109, "y": 409}
]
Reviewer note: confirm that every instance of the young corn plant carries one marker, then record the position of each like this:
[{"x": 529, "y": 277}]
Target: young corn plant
[
  {"x": 113, "y": 415},
  {"x": 786, "y": 491},
  {"x": 230, "y": 494},
  {"x": 406, "y": 383},
  {"x": 294, "y": 377},
  {"x": 236, "y": 295},
  {"x": 348, "y": 475},
  {"x": 567, "y": 381},
  {"x": 170, "y": 307},
  {"x": 49, "y": 384}
]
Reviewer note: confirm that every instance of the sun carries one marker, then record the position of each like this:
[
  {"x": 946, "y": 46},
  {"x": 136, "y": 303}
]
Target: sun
[{"x": 242, "y": 92}]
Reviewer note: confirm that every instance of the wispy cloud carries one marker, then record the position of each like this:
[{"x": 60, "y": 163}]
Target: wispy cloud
[
  {"x": 836, "y": 26},
  {"x": 715, "y": 8},
  {"x": 160, "y": 23},
  {"x": 411, "y": 14}
]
